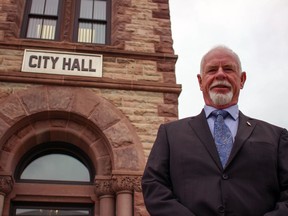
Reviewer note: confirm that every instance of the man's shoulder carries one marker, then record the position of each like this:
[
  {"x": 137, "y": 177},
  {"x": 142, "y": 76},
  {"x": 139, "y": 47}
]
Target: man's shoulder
[
  {"x": 184, "y": 121},
  {"x": 259, "y": 122},
  {"x": 179, "y": 121}
]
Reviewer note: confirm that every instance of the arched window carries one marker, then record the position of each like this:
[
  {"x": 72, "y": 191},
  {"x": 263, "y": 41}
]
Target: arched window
[
  {"x": 57, "y": 161},
  {"x": 54, "y": 163}
]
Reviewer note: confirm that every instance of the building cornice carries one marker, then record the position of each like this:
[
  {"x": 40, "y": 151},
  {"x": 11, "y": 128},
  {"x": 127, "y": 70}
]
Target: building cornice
[
  {"x": 87, "y": 48},
  {"x": 91, "y": 82}
]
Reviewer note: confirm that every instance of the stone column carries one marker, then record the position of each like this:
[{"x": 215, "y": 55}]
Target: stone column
[
  {"x": 124, "y": 202},
  {"x": 6, "y": 185},
  {"x": 124, "y": 187},
  {"x": 103, "y": 189}
]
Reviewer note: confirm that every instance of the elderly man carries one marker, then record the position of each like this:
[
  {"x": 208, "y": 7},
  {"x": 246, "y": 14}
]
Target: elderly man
[{"x": 219, "y": 162}]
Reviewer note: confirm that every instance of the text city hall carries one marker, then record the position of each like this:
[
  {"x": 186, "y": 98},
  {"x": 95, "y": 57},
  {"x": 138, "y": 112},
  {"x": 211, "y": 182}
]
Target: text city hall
[{"x": 66, "y": 64}]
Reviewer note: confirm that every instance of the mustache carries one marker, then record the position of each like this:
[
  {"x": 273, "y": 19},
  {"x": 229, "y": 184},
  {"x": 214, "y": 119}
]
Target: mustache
[{"x": 221, "y": 82}]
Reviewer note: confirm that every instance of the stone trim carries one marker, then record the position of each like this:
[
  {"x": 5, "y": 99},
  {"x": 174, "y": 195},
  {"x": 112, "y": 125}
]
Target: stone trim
[
  {"x": 117, "y": 183},
  {"x": 44, "y": 114},
  {"x": 103, "y": 187},
  {"x": 90, "y": 82},
  {"x": 78, "y": 47},
  {"x": 6, "y": 184},
  {"x": 124, "y": 183}
]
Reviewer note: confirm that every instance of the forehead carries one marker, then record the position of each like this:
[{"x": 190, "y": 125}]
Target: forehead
[{"x": 217, "y": 57}]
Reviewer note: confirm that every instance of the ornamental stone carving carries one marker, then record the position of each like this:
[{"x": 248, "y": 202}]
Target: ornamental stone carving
[
  {"x": 127, "y": 183},
  {"x": 103, "y": 187},
  {"x": 6, "y": 184},
  {"x": 110, "y": 186}
]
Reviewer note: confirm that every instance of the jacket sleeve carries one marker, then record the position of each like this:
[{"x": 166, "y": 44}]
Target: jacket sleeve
[
  {"x": 281, "y": 207},
  {"x": 156, "y": 183}
]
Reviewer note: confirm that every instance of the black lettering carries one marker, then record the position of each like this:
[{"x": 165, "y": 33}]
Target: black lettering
[
  {"x": 83, "y": 66},
  {"x": 31, "y": 64},
  {"x": 90, "y": 66},
  {"x": 66, "y": 63},
  {"x": 39, "y": 62},
  {"x": 75, "y": 65},
  {"x": 45, "y": 58},
  {"x": 54, "y": 61}
]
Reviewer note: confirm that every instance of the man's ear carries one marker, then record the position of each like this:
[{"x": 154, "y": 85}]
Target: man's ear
[
  {"x": 243, "y": 79},
  {"x": 199, "y": 81}
]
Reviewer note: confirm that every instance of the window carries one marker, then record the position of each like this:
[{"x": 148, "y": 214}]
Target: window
[
  {"x": 48, "y": 209},
  {"x": 57, "y": 167},
  {"x": 48, "y": 166},
  {"x": 58, "y": 162},
  {"x": 42, "y": 20},
  {"x": 92, "y": 21}
]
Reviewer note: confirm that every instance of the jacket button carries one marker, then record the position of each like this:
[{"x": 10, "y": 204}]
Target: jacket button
[
  {"x": 221, "y": 209},
  {"x": 225, "y": 176}
]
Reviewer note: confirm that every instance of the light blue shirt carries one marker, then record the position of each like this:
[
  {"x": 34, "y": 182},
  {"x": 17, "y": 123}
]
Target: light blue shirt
[{"x": 231, "y": 120}]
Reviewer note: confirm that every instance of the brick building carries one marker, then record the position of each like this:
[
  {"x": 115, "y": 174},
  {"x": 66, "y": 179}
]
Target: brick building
[{"x": 84, "y": 85}]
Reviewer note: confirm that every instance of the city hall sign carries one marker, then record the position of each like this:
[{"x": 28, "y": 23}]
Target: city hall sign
[{"x": 65, "y": 63}]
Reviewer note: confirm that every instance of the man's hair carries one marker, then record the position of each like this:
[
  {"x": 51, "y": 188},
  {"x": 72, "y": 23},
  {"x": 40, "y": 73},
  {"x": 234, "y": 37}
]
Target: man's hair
[{"x": 224, "y": 48}]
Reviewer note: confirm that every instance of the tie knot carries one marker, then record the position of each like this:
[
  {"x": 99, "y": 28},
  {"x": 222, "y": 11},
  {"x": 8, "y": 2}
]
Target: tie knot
[{"x": 223, "y": 113}]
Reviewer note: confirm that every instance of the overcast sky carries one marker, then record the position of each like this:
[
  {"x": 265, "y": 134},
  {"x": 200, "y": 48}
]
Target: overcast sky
[{"x": 255, "y": 29}]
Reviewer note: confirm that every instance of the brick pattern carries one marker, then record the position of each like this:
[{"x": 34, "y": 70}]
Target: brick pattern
[{"x": 131, "y": 69}]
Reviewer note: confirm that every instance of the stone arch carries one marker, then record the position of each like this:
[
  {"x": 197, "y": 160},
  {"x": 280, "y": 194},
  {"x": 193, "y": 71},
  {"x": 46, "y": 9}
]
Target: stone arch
[{"x": 75, "y": 115}]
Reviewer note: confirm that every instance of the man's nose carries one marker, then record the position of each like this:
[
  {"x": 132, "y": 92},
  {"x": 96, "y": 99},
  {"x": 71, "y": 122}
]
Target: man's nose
[{"x": 221, "y": 73}]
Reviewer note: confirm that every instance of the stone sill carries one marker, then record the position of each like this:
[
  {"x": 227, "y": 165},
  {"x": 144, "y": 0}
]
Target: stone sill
[
  {"x": 87, "y": 48},
  {"x": 90, "y": 82}
]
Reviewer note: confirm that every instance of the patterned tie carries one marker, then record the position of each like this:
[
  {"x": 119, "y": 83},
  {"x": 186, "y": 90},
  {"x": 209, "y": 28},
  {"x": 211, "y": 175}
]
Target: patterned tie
[{"x": 222, "y": 136}]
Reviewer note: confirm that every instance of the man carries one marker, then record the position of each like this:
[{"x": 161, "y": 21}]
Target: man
[{"x": 193, "y": 171}]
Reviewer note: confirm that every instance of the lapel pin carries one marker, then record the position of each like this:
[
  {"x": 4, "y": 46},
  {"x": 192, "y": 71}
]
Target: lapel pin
[{"x": 248, "y": 123}]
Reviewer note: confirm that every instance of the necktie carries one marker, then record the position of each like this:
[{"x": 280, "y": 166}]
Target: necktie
[{"x": 222, "y": 136}]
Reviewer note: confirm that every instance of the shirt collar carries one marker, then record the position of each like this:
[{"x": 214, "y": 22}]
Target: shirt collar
[{"x": 232, "y": 110}]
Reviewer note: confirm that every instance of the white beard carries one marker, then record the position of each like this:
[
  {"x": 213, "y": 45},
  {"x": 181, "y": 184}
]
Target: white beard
[{"x": 221, "y": 99}]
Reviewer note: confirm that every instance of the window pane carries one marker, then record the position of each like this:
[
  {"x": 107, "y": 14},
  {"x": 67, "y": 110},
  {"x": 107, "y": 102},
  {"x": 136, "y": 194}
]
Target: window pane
[
  {"x": 100, "y": 10},
  {"x": 58, "y": 167},
  {"x": 48, "y": 29},
  {"x": 48, "y": 212},
  {"x": 86, "y": 9},
  {"x": 51, "y": 7},
  {"x": 99, "y": 33},
  {"x": 48, "y": 7},
  {"x": 85, "y": 33},
  {"x": 38, "y": 30},
  {"x": 89, "y": 33},
  {"x": 37, "y": 6},
  {"x": 34, "y": 28}
]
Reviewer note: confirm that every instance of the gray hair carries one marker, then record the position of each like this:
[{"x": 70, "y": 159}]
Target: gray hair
[{"x": 224, "y": 48}]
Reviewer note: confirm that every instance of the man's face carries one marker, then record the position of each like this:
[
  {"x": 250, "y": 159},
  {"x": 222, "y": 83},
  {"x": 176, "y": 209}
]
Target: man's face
[{"x": 221, "y": 79}]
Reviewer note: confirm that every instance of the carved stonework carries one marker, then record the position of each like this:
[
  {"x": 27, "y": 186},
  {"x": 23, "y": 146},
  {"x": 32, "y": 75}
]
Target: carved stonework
[
  {"x": 130, "y": 183},
  {"x": 103, "y": 187},
  {"x": 108, "y": 186},
  {"x": 6, "y": 184}
]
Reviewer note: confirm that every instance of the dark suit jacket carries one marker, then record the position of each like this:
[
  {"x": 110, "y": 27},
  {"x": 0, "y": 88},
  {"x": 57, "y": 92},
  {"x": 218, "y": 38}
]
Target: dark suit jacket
[{"x": 184, "y": 176}]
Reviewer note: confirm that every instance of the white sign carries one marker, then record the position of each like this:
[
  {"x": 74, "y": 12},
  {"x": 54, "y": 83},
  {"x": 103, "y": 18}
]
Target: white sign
[{"x": 66, "y": 63}]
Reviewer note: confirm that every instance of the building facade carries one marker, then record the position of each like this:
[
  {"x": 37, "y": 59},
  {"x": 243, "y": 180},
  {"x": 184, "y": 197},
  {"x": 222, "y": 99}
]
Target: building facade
[{"x": 84, "y": 85}]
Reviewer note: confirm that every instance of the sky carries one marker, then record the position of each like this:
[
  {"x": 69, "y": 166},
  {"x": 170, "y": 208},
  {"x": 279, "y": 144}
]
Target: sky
[{"x": 256, "y": 30}]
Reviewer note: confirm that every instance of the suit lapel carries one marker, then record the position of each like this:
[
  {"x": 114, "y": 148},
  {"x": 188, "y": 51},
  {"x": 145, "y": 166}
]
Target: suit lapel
[
  {"x": 245, "y": 128},
  {"x": 201, "y": 128}
]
